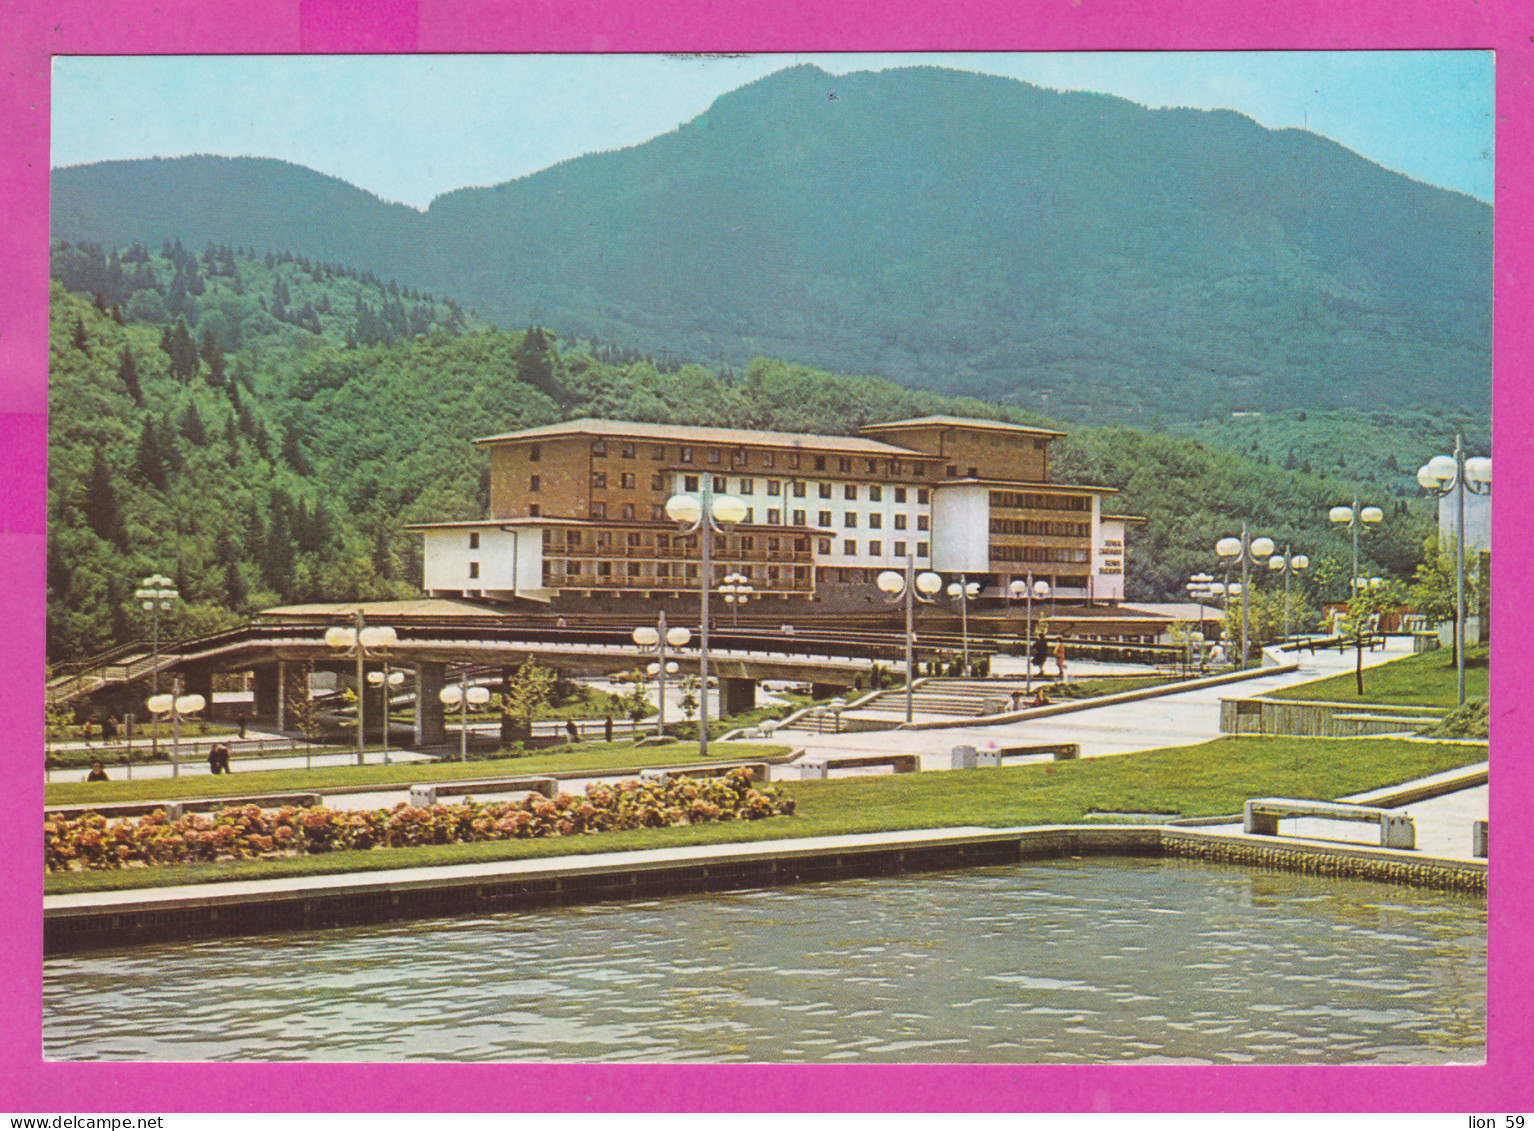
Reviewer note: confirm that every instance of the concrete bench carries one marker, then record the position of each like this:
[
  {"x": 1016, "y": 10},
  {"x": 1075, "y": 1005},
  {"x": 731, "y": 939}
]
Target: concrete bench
[
  {"x": 758, "y": 771},
  {"x": 425, "y": 795},
  {"x": 822, "y": 767},
  {"x": 1386, "y": 724},
  {"x": 1480, "y": 836},
  {"x": 1397, "y": 830},
  {"x": 967, "y": 758}
]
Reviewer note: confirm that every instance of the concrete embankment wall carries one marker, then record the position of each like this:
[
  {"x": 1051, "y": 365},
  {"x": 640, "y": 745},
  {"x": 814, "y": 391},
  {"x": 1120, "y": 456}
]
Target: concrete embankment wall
[{"x": 114, "y": 919}]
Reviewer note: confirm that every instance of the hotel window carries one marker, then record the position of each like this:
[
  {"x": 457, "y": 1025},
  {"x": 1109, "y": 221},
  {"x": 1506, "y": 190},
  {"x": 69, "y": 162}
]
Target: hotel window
[
  {"x": 894, "y": 467},
  {"x": 773, "y": 545},
  {"x": 825, "y": 518},
  {"x": 748, "y": 486},
  {"x": 534, "y": 511},
  {"x": 474, "y": 539},
  {"x": 793, "y": 459},
  {"x": 686, "y": 453},
  {"x": 769, "y": 459},
  {"x": 473, "y": 570},
  {"x": 801, "y": 573},
  {"x": 922, "y": 495},
  {"x": 844, "y": 464},
  {"x": 535, "y": 483},
  {"x": 876, "y": 549},
  {"x": 774, "y": 517},
  {"x": 974, "y": 473},
  {"x": 850, "y": 520},
  {"x": 871, "y": 466},
  {"x": 900, "y": 522},
  {"x": 825, "y": 545},
  {"x": 547, "y": 570},
  {"x": 713, "y": 455},
  {"x": 918, "y": 468},
  {"x": 921, "y": 549},
  {"x": 599, "y": 479},
  {"x": 798, "y": 518},
  {"x": 598, "y": 510},
  {"x": 633, "y": 569},
  {"x": 689, "y": 482},
  {"x": 662, "y": 570},
  {"x": 922, "y": 522},
  {"x": 738, "y": 458},
  {"x": 951, "y": 470},
  {"x": 820, "y": 463},
  {"x": 850, "y": 547},
  {"x": 747, "y": 544},
  {"x": 572, "y": 537},
  {"x": 900, "y": 494},
  {"x": 750, "y": 515},
  {"x": 535, "y": 453},
  {"x": 875, "y": 521},
  {"x": 801, "y": 545},
  {"x": 657, "y": 512},
  {"x": 774, "y": 573},
  {"x": 604, "y": 569},
  {"x": 825, "y": 490},
  {"x": 799, "y": 488},
  {"x": 692, "y": 571},
  {"x": 774, "y": 486},
  {"x": 850, "y": 491},
  {"x": 604, "y": 537},
  {"x": 599, "y": 448},
  {"x": 628, "y": 512},
  {"x": 875, "y": 493},
  {"x": 628, "y": 481},
  {"x": 658, "y": 453},
  {"x": 548, "y": 537},
  {"x": 635, "y": 538},
  {"x": 721, "y": 485},
  {"x": 657, "y": 482},
  {"x": 900, "y": 549},
  {"x": 572, "y": 568},
  {"x": 663, "y": 541},
  {"x": 628, "y": 451}
]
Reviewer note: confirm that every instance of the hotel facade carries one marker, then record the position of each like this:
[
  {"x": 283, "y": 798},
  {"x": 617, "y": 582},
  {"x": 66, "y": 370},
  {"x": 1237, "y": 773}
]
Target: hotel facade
[{"x": 578, "y": 522}]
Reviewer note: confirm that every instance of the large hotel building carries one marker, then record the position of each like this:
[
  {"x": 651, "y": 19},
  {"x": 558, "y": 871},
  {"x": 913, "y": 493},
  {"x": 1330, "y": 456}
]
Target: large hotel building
[{"x": 577, "y": 515}]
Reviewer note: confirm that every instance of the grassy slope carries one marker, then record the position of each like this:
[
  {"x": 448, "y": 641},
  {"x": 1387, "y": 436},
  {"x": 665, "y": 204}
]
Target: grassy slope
[
  {"x": 1210, "y": 778},
  {"x": 1428, "y": 679}
]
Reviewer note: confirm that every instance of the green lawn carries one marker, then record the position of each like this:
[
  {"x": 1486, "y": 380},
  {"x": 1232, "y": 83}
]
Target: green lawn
[
  {"x": 1110, "y": 685},
  {"x": 1203, "y": 780},
  {"x": 1428, "y": 679},
  {"x": 580, "y": 756}
]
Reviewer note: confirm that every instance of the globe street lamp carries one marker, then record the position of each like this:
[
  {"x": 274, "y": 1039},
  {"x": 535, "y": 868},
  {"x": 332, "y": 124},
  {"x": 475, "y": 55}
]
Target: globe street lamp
[
  {"x": 361, "y": 640},
  {"x": 737, "y": 590},
  {"x": 155, "y": 593},
  {"x": 1203, "y": 586},
  {"x": 1287, "y": 563},
  {"x": 1355, "y": 517},
  {"x": 658, "y": 639},
  {"x": 710, "y": 515},
  {"x": 964, "y": 590},
  {"x": 460, "y": 697},
  {"x": 909, "y": 587},
  {"x": 387, "y": 681},
  {"x": 176, "y": 705},
  {"x": 1031, "y": 589},
  {"x": 1246, "y": 550},
  {"x": 1443, "y": 475}
]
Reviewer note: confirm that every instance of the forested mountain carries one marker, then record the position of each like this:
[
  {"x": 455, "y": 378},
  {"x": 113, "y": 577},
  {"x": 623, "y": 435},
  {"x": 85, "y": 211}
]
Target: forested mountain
[
  {"x": 1070, "y": 253},
  {"x": 259, "y": 460}
]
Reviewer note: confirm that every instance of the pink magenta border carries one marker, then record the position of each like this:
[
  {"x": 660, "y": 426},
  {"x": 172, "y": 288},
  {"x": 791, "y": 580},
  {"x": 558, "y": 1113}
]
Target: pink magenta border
[{"x": 32, "y": 32}]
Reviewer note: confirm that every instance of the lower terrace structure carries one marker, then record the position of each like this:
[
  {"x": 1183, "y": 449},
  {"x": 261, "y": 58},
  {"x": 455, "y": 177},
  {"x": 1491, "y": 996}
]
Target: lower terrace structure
[{"x": 577, "y": 515}]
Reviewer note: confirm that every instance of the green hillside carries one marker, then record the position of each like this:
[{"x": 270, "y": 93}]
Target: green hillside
[{"x": 258, "y": 461}]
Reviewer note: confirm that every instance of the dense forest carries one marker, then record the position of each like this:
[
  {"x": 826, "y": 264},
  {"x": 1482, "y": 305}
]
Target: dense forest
[
  {"x": 262, "y": 427},
  {"x": 1068, "y": 253}
]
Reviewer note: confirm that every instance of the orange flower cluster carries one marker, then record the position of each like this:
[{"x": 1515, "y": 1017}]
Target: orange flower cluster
[{"x": 237, "y": 832}]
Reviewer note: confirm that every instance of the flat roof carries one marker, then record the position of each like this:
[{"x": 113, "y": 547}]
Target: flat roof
[
  {"x": 960, "y": 422},
  {"x": 1030, "y": 485},
  {"x": 687, "y": 433},
  {"x": 1124, "y": 518},
  {"x": 425, "y": 607}
]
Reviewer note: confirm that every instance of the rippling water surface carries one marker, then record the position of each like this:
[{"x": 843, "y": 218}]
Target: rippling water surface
[{"x": 1068, "y": 961}]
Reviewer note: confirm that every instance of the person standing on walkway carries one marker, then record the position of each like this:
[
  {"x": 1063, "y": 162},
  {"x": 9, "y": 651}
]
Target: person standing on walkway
[
  {"x": 1040, "y": 652},
  {"x": 572, "y": 731},
  {"x": 607, "y": 729},
  {"x": 1060, "y": 658}
]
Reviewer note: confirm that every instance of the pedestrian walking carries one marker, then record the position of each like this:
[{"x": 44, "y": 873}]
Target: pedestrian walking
[
  {"x": 607, "y": 729},
  {"x": 218, "y": 759},
  {"x": 244, "y": 721},
  {"x": 572, "y": 730},
  {"x": 1040, "y": 652},
  {"x": 1060, "y": 658},
  {"x": 109, "y": 729},
  {"x": 87, "y": 730}
]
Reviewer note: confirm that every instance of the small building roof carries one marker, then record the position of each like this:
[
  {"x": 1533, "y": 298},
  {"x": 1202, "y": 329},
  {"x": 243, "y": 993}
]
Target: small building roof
[
  {"x": 1139, "y": 518},
  {"x": 940, "y": 421},
  {"x": 382, "y": 610},
  {"x": 1026, "y": 484},
  {"x": 686, "y": 433},
  {"x": 1177, "y": 610}
]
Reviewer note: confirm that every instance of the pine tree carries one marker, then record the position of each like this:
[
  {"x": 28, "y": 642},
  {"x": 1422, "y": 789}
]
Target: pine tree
[
  {"x": 192, "y": 426},
  {"x": 127, "y": 373},
  {"x": 81, "y": 342},
  {"x": 101, "y": 511},
  {"x": 148, "y": 462}
]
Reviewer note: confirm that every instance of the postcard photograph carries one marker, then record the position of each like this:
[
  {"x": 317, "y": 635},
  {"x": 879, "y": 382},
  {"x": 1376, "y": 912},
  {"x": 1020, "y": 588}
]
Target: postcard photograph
[{"x": 968, "y": 558}]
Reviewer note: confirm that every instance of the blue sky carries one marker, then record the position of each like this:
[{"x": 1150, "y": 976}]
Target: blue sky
[{"x": 410, "y": 127}]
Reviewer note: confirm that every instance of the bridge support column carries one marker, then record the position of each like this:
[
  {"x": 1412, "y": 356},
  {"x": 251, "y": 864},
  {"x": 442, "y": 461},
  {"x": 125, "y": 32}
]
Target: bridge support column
[
  {"x": 736, "y": 695},
  {"x": 267, "y": 682},
  {"x": 429, "y": 680}
]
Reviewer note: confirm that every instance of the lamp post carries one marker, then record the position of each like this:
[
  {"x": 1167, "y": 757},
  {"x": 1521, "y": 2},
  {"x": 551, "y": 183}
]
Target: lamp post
[
  {"x": 1287, "y": 563},
  {"x": 1203, "y": 586},
  {"x": 909, "y": 587},
  {"x": 710, "y": 515},
  {"x": 176, "y": 705},
  {"x": 1354, "y": 517},
  {"x": 737, "y": 590},
  {"x": 1246, "y": 550},
  {"x": 1442, "y": 475},
  {"x": 658, "y": 638},
  {"x": 155, "y": 593},
  {"x": 964, "y": 590},
  {"x": 387, "y": 681},
  {"x": 362, "y": 640},
  {"x": 460, "y": 697},
  {"x": 1031, "y": 588}
]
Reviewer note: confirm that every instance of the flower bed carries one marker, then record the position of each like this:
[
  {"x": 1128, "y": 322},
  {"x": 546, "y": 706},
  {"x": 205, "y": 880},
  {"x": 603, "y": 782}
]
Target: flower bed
[{"x": 244, "y": 831}]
